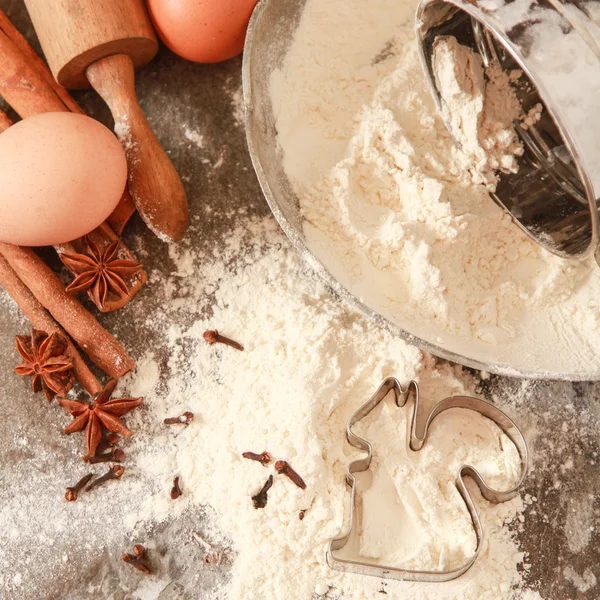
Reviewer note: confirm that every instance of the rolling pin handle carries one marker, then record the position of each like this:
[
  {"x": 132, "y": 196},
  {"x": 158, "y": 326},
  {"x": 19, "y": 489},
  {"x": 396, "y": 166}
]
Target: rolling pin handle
[{"x": 154, "y": 183}]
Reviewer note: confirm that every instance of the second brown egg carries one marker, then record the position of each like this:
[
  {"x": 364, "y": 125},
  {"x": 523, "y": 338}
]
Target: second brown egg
[{"x": 205, "y": 31}]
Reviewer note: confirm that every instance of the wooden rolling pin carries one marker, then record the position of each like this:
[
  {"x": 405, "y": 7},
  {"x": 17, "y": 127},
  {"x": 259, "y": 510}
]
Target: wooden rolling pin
[{"x": 98, "y": 43}]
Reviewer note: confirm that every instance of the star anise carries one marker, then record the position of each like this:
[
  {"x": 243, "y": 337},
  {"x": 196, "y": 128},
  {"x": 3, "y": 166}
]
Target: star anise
[
  {"x": 100, "y": 271},
  {"x": 45, "y": 360},
  {"x": 101, "y": 413}
]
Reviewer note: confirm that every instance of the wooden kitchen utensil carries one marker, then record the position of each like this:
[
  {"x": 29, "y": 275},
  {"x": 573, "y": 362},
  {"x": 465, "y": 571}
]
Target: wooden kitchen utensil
[{"x": 88, "y": 42}]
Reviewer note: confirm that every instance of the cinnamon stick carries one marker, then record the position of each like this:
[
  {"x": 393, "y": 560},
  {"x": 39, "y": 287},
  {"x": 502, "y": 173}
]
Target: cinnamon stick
[
  {"x": 41, "y": 320},
  {"x": 28, "y": 86},
  {"x": 121, "y": 215},
  {"x": 102, "y": 348},
  {"x": 22, "y": 86},
  {"x": 37, "y": 63},
  {"x": 5, "y": 122}
]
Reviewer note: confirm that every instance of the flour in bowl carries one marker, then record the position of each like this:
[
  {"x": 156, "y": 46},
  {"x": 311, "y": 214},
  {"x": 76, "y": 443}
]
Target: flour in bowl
[
  {"x": 479, "y": 105},
  {"x": 401, "y": 216}
]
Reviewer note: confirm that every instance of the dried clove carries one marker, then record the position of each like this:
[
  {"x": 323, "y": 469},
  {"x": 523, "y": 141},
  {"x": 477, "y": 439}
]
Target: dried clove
[
  {"x": 185, "y": 419},
  {"x": 260, "y": 500},
  {"x": 176, "y": 490},
  {"x": 115, "y": 455},
  {"x": 139, "y": 559},
  {"x": 211, "y": 555},
  {"x": 108, "y": 441},
  {"x": 283, "y": 467},
  {"x": 264, "y": 459},
  {"x": 115, "y": 472},
  {"x": 212, "y": 336},
  {"x": 72, "y": 492},
  {"x": 111, "y": 438}
]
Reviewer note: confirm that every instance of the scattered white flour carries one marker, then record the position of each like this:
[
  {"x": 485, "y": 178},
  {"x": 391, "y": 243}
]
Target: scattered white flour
[
  {"x": 123, "y": 133},
  {"x": 309, "y": 364},
  {"x": 236, "y": 95},
  {"x": 220, "y": 161},
  {"x": 583, "y": 582},
  {"x": 392, "y": 211},
  {"x": 480, "y": 106},
  {"x": 194, "y": 136},
  {"x": 237, "y": 102}
]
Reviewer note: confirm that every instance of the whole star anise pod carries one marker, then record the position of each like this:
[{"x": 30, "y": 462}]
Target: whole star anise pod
[
  {"x": 100, "y": 271},
  {"x": 45, "y": 360},
  {"x": 101, "y": 412}
]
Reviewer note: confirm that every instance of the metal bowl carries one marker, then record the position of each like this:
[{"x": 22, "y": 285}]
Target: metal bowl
[{"x": 269, "y": 36}]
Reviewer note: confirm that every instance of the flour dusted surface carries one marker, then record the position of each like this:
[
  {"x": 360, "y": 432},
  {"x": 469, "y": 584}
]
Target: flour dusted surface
[
  {"x": 49, "y": 548},
  {"x": 309, "y": 364},
  {"x": 397, "y": 212}
]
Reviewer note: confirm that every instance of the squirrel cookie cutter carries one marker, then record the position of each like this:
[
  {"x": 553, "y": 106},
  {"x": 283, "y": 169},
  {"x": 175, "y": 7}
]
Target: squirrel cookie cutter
[{"x": 417, "y": 440}]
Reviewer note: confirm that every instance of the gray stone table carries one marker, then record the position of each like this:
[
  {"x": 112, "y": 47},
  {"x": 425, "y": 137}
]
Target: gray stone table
[{"x": 562, "y": 528}]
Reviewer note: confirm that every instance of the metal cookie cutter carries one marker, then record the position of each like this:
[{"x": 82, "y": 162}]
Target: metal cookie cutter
[
  {"x": 417, "y": 440},
  {"x": 555, "y": 194}
]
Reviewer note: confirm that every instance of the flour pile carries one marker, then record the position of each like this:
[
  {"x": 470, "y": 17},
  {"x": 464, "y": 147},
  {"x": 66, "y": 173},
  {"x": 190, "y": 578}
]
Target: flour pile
[
  {"x": 309, "y": 364},
  {"x": 401, "y": 216},
  {"x": 480, "y": 106}
]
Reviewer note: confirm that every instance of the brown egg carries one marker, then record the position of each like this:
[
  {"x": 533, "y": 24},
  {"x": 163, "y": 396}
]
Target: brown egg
[
  {"x": 61, "y": 175},
  {"x": 205, "y": 31}
]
